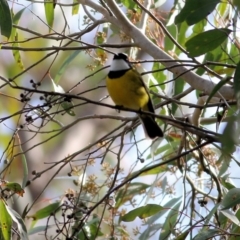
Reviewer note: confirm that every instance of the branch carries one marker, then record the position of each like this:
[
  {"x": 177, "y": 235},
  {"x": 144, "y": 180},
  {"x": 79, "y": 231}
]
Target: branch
[{"x": 149, "y": 47}]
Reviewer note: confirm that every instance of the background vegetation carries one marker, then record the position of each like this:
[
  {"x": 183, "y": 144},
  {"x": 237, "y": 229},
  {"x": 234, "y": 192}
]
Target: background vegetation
[{"x": 73, "y": 166}]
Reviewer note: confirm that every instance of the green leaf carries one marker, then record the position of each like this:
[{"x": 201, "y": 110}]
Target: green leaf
[
  {"x": 226, "y": 183},
  {"x": 155, "y": 171},
  {"x": 154, "y": 147},
  {"x": 207, "y": 41},
  {"x": 91, "y": 229},
  {"x": 49, "y": 12},
  {"x": 170, "y": 222},
  {"x": 235, "y": 228},
  {"x": 152, "y": 222},
  {"x": 150, "y": 230},
  {"x": 233, "y": 52},
  {"x": 217, "y": 55},
  {"x": 178, "y": 88},
  {"x": 183, "y": 235},
  {"x": 142, "y": 212},
  {"x": 38, "y": 229},
  {"x": 158, "y": 74},
  {"x": 132, "y": 190},
  {"x": 5, "y": 221},
  {"x": 14, "y": 38},
  {"x": 169, "y": 45},
  {"x": 224, "y": 11},
  {"x": 5, "y": 19},
  {"x": 231, "y": 199},
  {"x": 194, "y": 11},
  {"x": 182, "y": 30},
  {"x": 223, "y": 220},
  {"x": 164, "y": 148},
  {"x": 20, "y": 223},
  {"x": 199, "y": 27},
  {"x": 129, "y": 4},
  {"x": 167, "y": 207},
  {"x": 236, "y": 82},
  {"x": 216, "y": 89},
  {"x": 75, "y": 7},
  {"x": 65, "y": 65},
  {"x": 206, "y": 234},
  {"x": 237, "y": 4},
  {"x": 230, "y": 135},
  {"x": 212, "y": 212},
  {"x": 25, "y": 167},
  {"x": 45, "y": 212},
  {"x": 225, "y": 161},
  {"x": 122, "y": 230},
  {"x": 100, "y": 38},
  {"x": 17, "y": 16},
  {"x": 231, "y": 216}
]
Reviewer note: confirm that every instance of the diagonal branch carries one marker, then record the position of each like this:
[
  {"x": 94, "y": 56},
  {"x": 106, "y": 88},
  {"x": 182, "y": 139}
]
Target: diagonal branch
[{"x": 197, "y": 82}]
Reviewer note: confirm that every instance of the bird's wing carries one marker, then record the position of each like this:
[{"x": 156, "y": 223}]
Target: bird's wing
[{"x": 143, "y": 87}]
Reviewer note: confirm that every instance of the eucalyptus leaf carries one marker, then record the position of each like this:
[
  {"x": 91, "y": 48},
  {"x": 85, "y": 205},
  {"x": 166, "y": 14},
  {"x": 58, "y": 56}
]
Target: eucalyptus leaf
[
  {"x": 5, "y": 19},
  {"x": 206, "y": 41}
]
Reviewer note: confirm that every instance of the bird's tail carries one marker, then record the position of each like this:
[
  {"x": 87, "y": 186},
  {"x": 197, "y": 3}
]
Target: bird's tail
[{"x": 151, "y": 128}]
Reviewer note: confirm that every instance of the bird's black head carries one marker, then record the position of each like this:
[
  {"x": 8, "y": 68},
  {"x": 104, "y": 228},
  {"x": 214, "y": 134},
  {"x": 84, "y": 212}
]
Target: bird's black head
[
  {"x": 120, "y": 64},
  {"x": 122, "y": 56}
]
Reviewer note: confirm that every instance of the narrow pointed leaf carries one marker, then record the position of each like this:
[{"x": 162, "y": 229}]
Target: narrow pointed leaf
[
  {"x": 5, "y": 221},
  {"x": 149, "y": 231},
  {"x": 236, "y": 81},
  {"x": 167, "y": 207},
  {"x": 45, "y": 212},
  {"x": 211, "y": 213},
  {"x": 206, "y": 234},
  {"x": 142, "y": 212},
  {"x": 237, "y": 4},
  {"x": 75, "y": 7},
  {"x": 20, "y": 223},
  {"x": 64, "y": 66},
  {"x": 231, "y": 216},
  {"x": 217, "y": 88},
  {"x": 14, "y": 38},
  {"x": 133, "y": 190},
  {"x": 25, "y": 168},
  {"x": 231, "y": 199},
  {"x": 5, "y": 19},
  {"x": 49, "y": 12},
  {"x": 183, "y": 235},
  {"x": 170, "y": 222},
  {"x": 230, "y": 135}
]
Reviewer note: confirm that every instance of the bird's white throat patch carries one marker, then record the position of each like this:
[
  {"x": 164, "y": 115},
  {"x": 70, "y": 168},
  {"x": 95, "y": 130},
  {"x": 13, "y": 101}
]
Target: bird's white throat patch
[{"x": 118, "y": 65}]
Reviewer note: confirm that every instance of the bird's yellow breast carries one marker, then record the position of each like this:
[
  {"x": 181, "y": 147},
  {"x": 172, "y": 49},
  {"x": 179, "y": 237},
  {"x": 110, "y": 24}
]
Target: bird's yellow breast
[{"x": 128, "y": 91}]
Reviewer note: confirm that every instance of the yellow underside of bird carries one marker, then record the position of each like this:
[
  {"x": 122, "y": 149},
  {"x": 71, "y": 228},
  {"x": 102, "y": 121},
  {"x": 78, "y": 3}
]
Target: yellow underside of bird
[{"x": 128, "y": 91}]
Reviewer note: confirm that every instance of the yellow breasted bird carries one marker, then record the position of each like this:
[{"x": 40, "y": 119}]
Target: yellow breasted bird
[{"x": 127, "y": 89}]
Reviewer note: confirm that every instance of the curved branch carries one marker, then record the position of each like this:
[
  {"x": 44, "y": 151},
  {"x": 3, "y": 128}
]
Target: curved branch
[{"x": 145, "y": 44}]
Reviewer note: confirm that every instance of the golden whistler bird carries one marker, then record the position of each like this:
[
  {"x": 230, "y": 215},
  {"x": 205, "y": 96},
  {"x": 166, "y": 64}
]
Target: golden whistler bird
[{"x": 127, "y": 89}]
